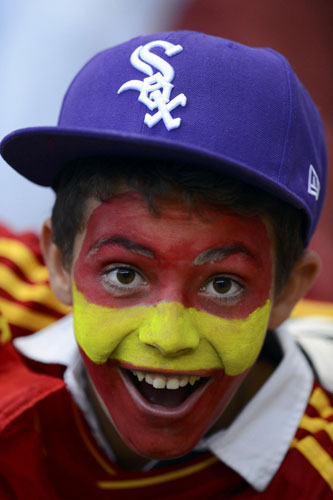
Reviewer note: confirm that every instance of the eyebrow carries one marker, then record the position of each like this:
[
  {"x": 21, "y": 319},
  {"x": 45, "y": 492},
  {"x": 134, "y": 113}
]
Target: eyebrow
[
  {"x": 126, "y": 243},
  {"x": 216, "y": 254}
]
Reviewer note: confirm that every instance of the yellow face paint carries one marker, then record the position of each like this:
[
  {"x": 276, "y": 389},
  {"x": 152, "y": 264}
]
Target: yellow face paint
[{"x": 169, "y": 336}]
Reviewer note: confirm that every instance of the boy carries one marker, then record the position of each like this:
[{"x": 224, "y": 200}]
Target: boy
[{"x": 190, "y": 174}]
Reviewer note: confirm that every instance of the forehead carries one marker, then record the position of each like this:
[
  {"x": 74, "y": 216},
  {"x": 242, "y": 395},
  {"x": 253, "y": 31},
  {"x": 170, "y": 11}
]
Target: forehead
[{"x": 176, "y": 226}]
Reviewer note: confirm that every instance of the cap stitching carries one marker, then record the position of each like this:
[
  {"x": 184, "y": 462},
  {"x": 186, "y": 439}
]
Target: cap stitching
[{"x": 283, "y": 61}]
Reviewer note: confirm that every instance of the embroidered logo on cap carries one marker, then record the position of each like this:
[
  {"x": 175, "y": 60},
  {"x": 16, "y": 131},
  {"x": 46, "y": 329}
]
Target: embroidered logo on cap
[
  {"x": 313, "y": 183},
  {"x": 155, "y": 89}
]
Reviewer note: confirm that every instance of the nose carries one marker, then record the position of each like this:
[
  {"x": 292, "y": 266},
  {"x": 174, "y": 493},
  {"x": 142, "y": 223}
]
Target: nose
[{"x": 170, "y": 329}]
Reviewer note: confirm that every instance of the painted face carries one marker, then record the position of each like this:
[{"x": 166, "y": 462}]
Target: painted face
[{"x": 170, "y": 312}]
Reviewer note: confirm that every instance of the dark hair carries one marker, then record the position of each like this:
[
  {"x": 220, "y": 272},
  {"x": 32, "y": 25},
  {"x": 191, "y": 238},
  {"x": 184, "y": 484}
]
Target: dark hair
[{"x": 99, "y": 178}]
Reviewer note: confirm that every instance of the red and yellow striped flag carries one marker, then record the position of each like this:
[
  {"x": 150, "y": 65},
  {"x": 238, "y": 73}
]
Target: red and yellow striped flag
[{"x": 27, "y": 302}]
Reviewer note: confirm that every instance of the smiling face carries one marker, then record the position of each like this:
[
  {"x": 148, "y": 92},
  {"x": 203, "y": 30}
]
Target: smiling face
[{"x": 170, "y": 313}]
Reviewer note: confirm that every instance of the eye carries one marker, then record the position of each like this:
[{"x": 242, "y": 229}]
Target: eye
[
  {"x": 222, "y": 285},
  {"x": 123, "y": 280},
  {"x": 124, "y": 275},
  {"x": 222, "y": 288}
]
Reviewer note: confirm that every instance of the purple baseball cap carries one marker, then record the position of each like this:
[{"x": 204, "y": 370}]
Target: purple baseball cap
[{"x": 193, "y": 98}]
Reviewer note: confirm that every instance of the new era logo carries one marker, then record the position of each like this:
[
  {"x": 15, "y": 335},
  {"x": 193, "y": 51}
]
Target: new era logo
[{"x": 313, "y": 183}]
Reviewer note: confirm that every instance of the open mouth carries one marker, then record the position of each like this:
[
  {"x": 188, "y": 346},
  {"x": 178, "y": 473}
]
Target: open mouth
[{"x": 168, "y": 391}]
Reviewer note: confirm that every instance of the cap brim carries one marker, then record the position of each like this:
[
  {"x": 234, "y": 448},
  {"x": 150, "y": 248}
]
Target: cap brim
[{"x": 41, "y": 153}]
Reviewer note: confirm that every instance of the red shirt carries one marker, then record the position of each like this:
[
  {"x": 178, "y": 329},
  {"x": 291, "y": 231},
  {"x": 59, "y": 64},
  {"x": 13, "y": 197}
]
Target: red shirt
[{"x": 47, "y": 451}]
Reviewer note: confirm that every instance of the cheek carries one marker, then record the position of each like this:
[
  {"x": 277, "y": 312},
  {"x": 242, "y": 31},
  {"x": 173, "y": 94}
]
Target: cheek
[
  {"x": 237, "y": 342},
  {"x": 93, "y": 324}
]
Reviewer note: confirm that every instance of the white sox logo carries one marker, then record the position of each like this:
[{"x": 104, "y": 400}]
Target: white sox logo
[{"x": 155, "y": 89}]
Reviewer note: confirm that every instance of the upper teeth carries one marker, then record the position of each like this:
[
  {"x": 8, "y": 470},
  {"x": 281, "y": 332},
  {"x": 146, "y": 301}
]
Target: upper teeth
[{"x": 162, "y": 382}]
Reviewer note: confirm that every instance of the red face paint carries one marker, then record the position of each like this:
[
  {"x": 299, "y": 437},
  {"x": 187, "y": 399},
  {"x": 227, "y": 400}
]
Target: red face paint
[
  {"x": 154, "y": 431},
  {"x": 176, "y": 255},
  {"x": 176, "y": 239}
]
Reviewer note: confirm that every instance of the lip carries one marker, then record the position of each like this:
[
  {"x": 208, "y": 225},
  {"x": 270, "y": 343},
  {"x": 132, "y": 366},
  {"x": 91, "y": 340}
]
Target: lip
[
  {"x": 158, "y": 411},
  {"x": 166, "y": 372}
]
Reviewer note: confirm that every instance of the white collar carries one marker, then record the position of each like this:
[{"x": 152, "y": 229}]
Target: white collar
[
  {"x": 255, "y": 443},
  {"x": 54, "y": 344}
]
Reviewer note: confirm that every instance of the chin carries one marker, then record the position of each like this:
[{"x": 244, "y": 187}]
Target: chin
[{"x": 163, "y": 414}]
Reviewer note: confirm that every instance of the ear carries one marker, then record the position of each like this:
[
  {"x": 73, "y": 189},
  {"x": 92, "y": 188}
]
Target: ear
[
  {"x": 60, "y": 278},
  {"x": 298, "y": 283}
]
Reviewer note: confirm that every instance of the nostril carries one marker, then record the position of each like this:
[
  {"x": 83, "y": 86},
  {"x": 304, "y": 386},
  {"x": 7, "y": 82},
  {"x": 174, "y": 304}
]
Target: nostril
[{"x": 171, "y": 352}]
